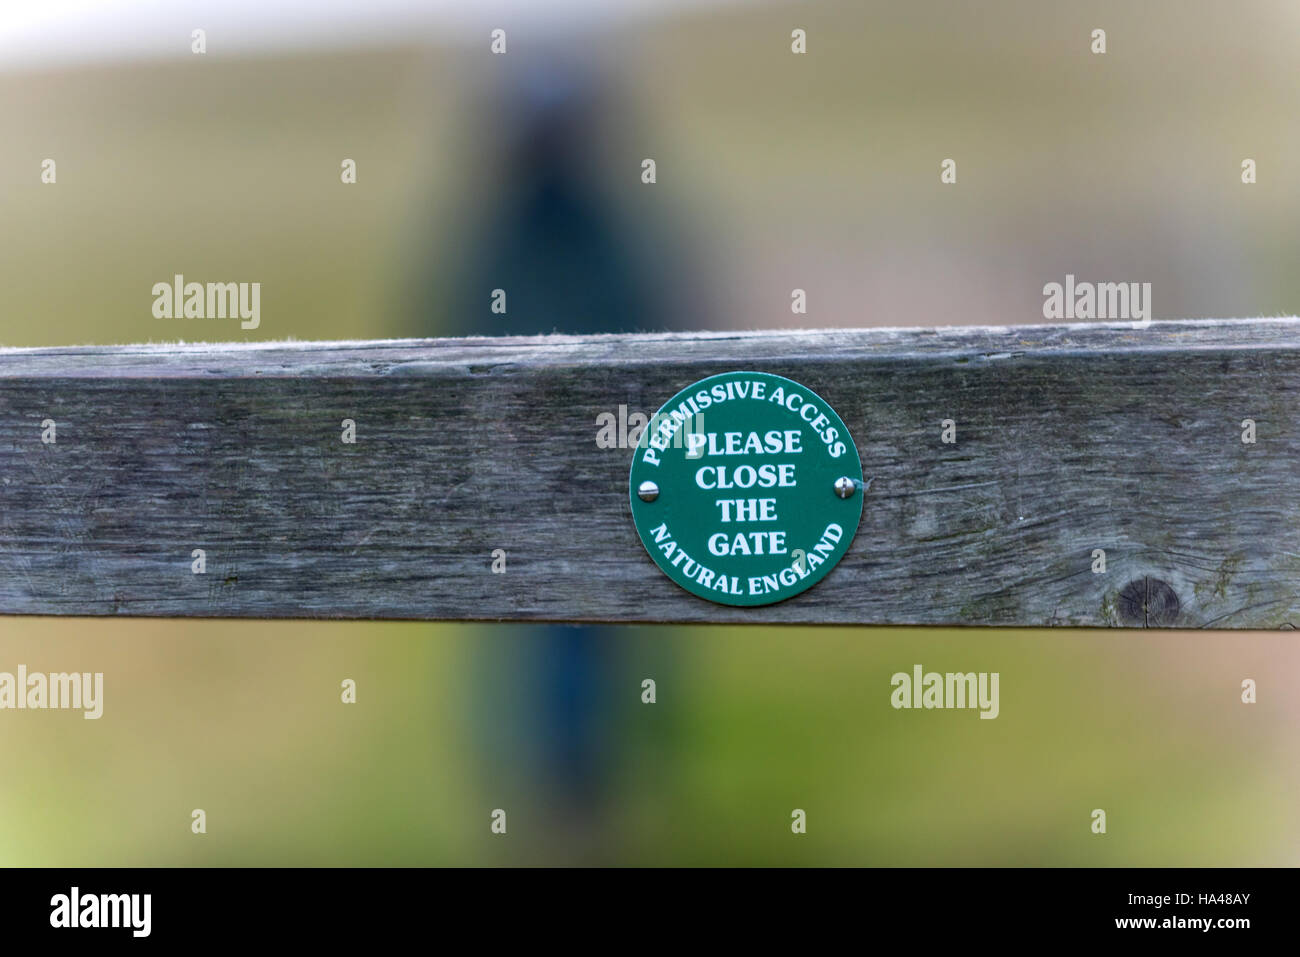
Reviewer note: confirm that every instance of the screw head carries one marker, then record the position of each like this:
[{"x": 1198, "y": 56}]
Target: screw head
[
  {"x": 647, "y": 491},
  {"x": 845, "y": 486}
]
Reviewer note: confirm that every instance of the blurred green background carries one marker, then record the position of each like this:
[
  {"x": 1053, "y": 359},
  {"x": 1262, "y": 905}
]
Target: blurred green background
[
  {"x": 244, "y": 720},
  {"x": 775, "y": 171}
]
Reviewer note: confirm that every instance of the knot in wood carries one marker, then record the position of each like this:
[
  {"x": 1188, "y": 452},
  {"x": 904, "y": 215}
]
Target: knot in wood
[{"x": 1148, "y": 603}]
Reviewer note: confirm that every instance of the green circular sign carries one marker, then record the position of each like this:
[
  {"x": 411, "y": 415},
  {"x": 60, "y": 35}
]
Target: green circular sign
[{"x": 746, "y": 488}]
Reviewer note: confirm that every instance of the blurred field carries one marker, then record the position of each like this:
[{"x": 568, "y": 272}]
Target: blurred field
[
  {"x": 775, "y": 172},
  {"x": 779, "y": 171},
  {"x": 244, "y": 720}
]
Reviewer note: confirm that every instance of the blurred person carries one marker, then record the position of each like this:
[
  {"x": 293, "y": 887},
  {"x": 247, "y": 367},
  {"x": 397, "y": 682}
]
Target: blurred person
[{"x": 555, "y": 245}]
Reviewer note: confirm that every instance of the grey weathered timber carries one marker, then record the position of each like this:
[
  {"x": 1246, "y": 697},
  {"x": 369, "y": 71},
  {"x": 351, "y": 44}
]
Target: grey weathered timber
[{"x": 1070, "y": 438}]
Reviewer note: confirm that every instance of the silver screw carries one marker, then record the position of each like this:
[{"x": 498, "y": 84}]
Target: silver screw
[
  {"x": 647, "y": 491},
  {"x": 845, "y": 486}
]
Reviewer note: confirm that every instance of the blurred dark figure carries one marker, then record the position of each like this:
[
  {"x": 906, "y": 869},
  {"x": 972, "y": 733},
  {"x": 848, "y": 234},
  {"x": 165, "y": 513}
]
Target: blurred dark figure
[
  {"x": 543, "y": 233},
  {"x": 551, "y": 242}
]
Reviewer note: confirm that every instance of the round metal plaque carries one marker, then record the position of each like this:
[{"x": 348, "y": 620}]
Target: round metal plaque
[{"x": 746, "y": 488}]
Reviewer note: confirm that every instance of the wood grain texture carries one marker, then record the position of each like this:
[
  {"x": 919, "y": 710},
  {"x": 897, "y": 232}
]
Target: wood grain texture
[{"x": 1070, "y": 438}]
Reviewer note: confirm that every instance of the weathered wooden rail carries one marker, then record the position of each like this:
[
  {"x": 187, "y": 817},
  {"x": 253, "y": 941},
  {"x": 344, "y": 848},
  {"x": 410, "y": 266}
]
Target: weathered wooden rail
[{"x": 1069, "y": 439}]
